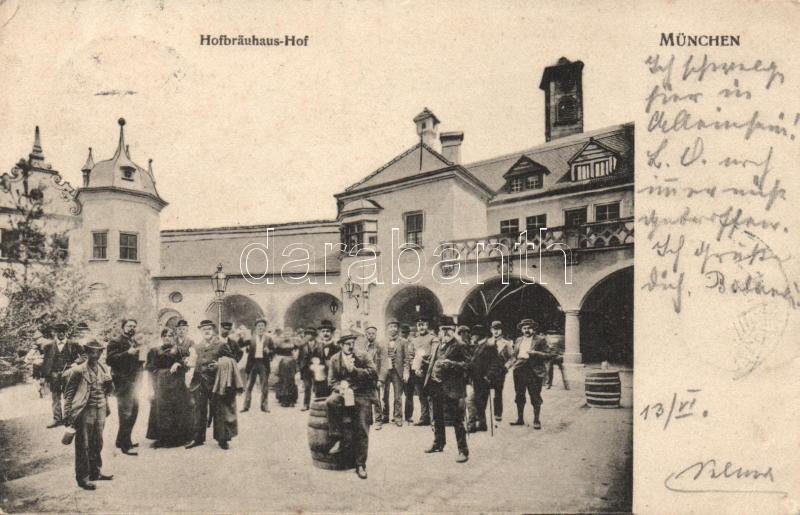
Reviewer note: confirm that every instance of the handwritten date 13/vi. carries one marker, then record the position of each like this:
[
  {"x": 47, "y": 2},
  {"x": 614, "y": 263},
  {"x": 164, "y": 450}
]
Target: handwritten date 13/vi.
[{"x": 682, "y": 405}]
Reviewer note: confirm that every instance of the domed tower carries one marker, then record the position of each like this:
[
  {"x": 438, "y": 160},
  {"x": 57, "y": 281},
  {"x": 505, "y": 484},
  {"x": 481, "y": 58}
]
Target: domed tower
[{"x": 120, "y": 219}]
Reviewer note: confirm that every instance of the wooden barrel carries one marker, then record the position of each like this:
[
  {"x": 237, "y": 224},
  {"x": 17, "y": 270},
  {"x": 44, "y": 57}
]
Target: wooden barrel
[
  {"x": 319, "y": 442},
  {"x": 603, "y": 388}
]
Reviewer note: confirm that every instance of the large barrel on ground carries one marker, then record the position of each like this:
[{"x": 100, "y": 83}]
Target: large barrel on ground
[
  {"x": 319, "y": 443},
  {"x": 603, "y": 388}
]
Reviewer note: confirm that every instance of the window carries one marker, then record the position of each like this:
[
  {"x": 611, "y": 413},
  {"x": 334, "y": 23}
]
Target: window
[
  {"x": 594, "y": 169},
  {"x": 575, "y": 217},
  {"x": 583, "y": 171},
  {"x": 128, "y": 247},
  {"x": 127, "y": 173},
  {"x": 533, "y": 182},
  {"x": 534, "y": 223},
  {"x": 567, "y": 110},
  {"x": 414, "y": 228},
  {"x": 515, "y": 185},
  {"x": 99, "y": 245},
  {"x": 606, "y": 212},
  {"x": 352, "y": 235},
  {"x": 509, "y": 227}
]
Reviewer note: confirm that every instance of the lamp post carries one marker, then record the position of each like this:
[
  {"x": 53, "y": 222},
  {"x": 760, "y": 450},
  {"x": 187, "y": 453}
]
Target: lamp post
[{"x": 219, "y": 282}]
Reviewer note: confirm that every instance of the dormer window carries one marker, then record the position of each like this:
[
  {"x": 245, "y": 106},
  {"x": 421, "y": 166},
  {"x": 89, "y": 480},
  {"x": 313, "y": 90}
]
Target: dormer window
[
  {"x": 525, "y": 174},
  {"x": 594, "y": 160},
  {"x": 127, "y": 173}
]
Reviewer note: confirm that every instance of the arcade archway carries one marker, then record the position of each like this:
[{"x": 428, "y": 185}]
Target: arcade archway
[
  {"x": 510, "y": 303},
  {"x": 238, "y": 309},
  {"x": 412, "y": 302},
  {"x": 309, "y": 310},
  {"x": 607, "y": 320}
]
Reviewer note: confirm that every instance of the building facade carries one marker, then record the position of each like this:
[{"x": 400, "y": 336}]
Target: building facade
[{"x": 545, "y": 233}]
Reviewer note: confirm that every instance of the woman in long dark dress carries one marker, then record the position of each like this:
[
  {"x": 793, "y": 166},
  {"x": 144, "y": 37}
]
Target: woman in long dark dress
[
  {"x": 286, "y": 391},
  {"x": 170, "y": 422}
]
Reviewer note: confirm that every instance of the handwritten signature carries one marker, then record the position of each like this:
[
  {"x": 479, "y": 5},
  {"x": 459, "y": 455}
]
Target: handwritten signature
[{"x": 716, "y": 476}]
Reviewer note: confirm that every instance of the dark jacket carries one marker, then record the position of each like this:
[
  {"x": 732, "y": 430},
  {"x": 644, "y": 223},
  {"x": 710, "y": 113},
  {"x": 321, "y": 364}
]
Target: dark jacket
[
  {"x": 52, "y": 363},
  {"x": 448, "y": 369},
  {"x": 124, "y": 365},
  {"x": 250, "y": 349},
  {"x": 536, "y": 361},
  {"x": 363, "y": 379},
  {"x": 486, "y": 365},
  {"x": 323, "y": 352}
]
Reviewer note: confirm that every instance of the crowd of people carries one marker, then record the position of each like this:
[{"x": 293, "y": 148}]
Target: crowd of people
[{"x": 455, "y": 372}]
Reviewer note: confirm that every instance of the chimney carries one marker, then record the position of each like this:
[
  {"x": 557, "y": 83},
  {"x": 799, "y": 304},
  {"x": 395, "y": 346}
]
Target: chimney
[
  {"x": 451, "y": 146},
  {"x": 563, "y": 98},
  {"x": 427, "y": 128}
]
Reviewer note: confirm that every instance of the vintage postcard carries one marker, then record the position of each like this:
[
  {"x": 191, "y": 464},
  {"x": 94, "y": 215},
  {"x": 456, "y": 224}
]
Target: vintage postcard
[{"x": 385, "y": 257}]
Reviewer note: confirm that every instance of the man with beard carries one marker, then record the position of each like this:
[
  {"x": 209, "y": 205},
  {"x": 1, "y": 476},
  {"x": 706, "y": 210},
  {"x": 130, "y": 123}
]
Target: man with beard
[
  {"x": 260, "y": 349},
  {"x": 321, "y": 352},
  {"x": 503, "y": 347},
  {"x": 396, "y": 370},
  {"x": 304, "y": 364},
  {"x": 58, "y": 355},
  {"x": 86, "y": 408},
  {"x": 420, "y": 350},
  {"x": 214, "y": 391},
  {"x": 352, "y": 379},
  {"x": 123, "y": 359},
  {"x": 445, "y": 382},
  {"x": 528, "y": 365}
]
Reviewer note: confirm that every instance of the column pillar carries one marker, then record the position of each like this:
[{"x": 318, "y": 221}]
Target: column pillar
[{"x": 572, "y": 336}]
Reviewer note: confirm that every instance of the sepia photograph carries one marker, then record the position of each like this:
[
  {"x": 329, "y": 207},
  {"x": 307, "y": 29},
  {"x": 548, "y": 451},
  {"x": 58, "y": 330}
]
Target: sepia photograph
[{"x": 262, "y": 257}]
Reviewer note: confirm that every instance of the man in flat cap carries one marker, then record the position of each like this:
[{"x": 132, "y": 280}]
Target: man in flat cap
[
  {"x": 260, "y": 349},
  {"x": 122, "y": 357},
  {"x": 86, "y": 408},
  {"x": 504, "y": 347},
  {"x": 59, "y": 355},
  {"x": 528, "y": 364},
  {"x": 397, "y": 369},
  {"x": 304, "y": 364},
  {"x": 353, "y": 383},
  {"x": 445, "y": 382},
  {"x": 420, "y": 351}
]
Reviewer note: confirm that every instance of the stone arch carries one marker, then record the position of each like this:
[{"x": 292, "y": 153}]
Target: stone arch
[
  {"x": 407, "y": 304},
  {"x": 509, "y": 303},
  {"x": 309, "y": 309},
  {"x": 238, "y": 309},
  {"x": 168, "y": 317},
  {"x": 606, "y": 314}
]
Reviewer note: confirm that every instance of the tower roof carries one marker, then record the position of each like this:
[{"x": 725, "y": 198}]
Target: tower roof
[
  {"x": 424, "y": 115},
  {"x": 120, "y": 171}
]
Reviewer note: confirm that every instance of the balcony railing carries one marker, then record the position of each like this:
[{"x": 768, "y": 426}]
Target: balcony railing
[{"x": 613, "y": 233}]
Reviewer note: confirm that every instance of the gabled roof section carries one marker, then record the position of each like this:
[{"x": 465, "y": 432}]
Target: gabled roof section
[
  {"x": 524, "y": 166},
  {"x": 404, "y": 165},
  {"x": 591, "y": 150}
]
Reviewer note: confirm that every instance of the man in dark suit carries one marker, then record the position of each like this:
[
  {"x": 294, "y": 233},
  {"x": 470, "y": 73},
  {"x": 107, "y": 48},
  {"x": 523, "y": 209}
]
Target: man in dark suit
[
  {"x": 322, "y": 350},
  {"x": 528, "y": 364},
  {"x": 396, "y": 371},
  {"x": 260, "y": 349},
  {"x": 58, "y": 356},
  {"x": 122, "y": 356},
  {"x": 486, "y": 369},
  {"x": 352, "y": 374},
  {"x": 304, "y": 364},
  {"x": 503, "y": 347},
  {"x": 182, "y": 340},
  {"x": 446, "y": 384}
]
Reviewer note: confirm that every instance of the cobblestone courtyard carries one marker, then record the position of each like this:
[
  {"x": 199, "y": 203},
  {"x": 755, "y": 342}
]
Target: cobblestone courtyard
[{"x": 579, "y": 461}]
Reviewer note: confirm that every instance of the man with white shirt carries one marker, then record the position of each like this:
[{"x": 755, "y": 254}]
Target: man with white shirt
[
  {"x": 528, "y": 364},
  {"x": 259, "y": 353},
  {"x": 59, "y": 355}
]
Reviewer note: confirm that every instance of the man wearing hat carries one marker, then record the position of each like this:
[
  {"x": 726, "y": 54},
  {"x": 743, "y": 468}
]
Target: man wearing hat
[
  {"x": 208, "y": 351},
  {"x": 445, "y": 382},
  {"x": 260, "y": 349},
  {"x": 122, "y": 357},
  {"x": 409, "y": 382},
  {"x": 420, "y": 351},
  {"x": 58, "y": 355},
  {"x": 528, "y": 364},
  {"x": 304, "y": 364},
  {"x": 86, "y": 408},
  {"x": 503, "y": 346},
  {"x": 351, "y": 374},
  {"x": 376, "y": 352},
  {"x": 322, "y": 351},
  {"x": 397, "y": 370},
  {"x": 486, "y": 366},
  {"x": 182, "y": 340}
]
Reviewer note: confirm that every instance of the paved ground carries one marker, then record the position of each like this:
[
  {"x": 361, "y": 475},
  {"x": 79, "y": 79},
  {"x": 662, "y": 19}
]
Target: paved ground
[{"x": 580, "y": 461}]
